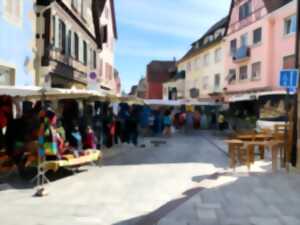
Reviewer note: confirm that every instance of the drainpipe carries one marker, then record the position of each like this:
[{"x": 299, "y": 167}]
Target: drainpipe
[{"x": 296, "y": 138}]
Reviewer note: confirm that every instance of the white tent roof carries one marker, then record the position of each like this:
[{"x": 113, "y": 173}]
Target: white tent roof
[
  {"x": 21, "y": 91},
  {"x": 160, "y": 102},
  {"x": 33, "y": 92}
]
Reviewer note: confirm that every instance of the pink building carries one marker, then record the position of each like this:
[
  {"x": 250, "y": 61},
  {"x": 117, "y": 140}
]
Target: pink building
[{"x": 260, "y": 42}]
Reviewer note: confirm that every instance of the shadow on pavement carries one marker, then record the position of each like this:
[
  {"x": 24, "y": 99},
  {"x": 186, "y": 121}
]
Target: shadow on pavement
[
  {"x": 154, "y": 217},
  {"x": 14, "y": 181},
  {"x": 254, "y": 196}
]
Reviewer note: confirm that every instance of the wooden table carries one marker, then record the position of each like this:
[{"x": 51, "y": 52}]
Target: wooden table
[
  {"x": 246, "y": 137},
  {"x": 274, "y": 146},
  {"x": 256, "y": 137},
  {"x": 239, "y": 146}
]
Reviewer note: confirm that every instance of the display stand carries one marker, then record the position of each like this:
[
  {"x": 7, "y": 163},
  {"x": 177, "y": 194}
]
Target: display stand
[{"x": 41, "y": 178}]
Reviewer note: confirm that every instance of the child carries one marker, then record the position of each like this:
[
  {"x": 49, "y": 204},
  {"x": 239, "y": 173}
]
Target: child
[
  {"x": 89, "y": 142},
  {"x": 76, "y": 141}
]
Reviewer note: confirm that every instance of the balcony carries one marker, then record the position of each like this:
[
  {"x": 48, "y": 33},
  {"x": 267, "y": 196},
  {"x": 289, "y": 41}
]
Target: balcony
[{"x": 242, "y": 54}]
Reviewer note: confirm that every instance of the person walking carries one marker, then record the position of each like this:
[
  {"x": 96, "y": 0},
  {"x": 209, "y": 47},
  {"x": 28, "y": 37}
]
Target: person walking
[
  {"x": 221, "y": 122},
  {"x": 97, "y": 126},
  {"x": 132, "y": 124},
  {"x": 167, "y": 124}
]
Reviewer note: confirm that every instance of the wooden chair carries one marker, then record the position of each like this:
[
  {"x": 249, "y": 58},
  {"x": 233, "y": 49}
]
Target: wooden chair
[
  {"x": 280, "y": 135},
  {"x": 237, "y": 152}
]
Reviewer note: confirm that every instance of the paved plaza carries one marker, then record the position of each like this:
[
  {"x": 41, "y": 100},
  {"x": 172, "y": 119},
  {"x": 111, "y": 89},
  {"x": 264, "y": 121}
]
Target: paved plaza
[{"x": 184, "y": 181}]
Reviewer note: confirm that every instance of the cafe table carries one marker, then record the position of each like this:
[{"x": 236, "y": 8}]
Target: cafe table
[{"x": 240, "y": 147}]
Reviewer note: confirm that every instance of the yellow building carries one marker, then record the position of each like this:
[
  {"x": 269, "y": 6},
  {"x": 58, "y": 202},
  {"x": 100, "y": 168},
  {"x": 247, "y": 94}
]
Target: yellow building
[{"x": 204, "y": 65}]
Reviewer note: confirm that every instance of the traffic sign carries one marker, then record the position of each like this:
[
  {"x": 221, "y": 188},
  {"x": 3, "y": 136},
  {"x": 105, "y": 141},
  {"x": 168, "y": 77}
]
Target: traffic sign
[{"x": 289, "y": 78}]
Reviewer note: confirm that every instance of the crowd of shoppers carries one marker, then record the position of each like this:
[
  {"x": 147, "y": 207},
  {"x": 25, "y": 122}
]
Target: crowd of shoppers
[{"x": 166, "y": 120}]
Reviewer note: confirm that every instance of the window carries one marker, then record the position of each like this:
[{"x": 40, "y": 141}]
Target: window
[
  {"x": 75, "y": 4},
  {"x": 245, "y": 10},
  {"x": 256, "y": 71},
  {"x": 80, "y": 50},
  {"x": 194, "y": 65},
  {"x": 76, "y": 46},
  {"x": 257, "y": 34},
  {"x": 69, "y": 48},
  {"x": 108, "y": 71},
  {"x": 94, "y": 59},
  {"x": 231, "y": 76},
  {"x": 243, "y": 73},
  {"x": 106, "y": 12},
  {"x": 233, "y": 46},
  {"x": 83, "y": 9},
  {"x": 62, "y": 37},
  {"x": 7, "y": 75},
  {"x": 199, "y": 62},
  {"x": 84, "y": 53},
  {"x": 188, "y": 67},
  {"x": 244, "y": 40},
  {"x": 205, "y": 82},
  {"x": 53, "y": 30},
  {"x": 13, "y": 11},
  {"x": 289, "y": 62},
  {"x": 290, "y": 25},
  {"x": 206, "y": 59},
  {"x": 217, "y": 81},
  {"x": 101, "y": 67},
  {"x": 218, "y": 55}
]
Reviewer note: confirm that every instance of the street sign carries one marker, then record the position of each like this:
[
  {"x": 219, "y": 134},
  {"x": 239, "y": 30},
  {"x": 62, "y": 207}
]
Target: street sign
[
  {"x": 289, "y": 78},
  {"x": 292, "y": 90}
]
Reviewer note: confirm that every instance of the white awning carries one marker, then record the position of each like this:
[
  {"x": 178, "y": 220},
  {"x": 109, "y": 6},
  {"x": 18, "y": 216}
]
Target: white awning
[
  {"x": 242, "y": 97},
  {"x": 283, "y": 92},
  {"x": 19, "y": 91},
  {"x": 161, "y": 102},
  {"x": 34, "y": 92},
  {"x": 194, "y": 102}
]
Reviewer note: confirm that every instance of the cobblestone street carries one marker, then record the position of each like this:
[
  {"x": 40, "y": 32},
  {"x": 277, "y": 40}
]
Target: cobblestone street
[{"x": 184, "y": 181}]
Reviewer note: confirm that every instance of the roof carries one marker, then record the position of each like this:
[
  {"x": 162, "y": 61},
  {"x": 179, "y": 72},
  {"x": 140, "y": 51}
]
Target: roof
[
  {"x": 271, "y": 5},
  {"x": 160, "y": 71},
  {"x": 223, "y": 23},
  {"x": 114, "y": 22}
]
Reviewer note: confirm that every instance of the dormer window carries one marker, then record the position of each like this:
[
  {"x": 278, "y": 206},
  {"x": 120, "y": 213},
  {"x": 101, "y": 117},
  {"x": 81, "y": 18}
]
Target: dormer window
[
  {"x": 205, "y": 41},
  {"x": 219, "y": 33},
  {"x": 208, "y": 39},
  {"x": 245, "y": 10}
]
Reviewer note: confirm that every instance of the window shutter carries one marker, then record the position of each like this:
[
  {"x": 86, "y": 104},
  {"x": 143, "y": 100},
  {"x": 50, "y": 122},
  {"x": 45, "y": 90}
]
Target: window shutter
[
  {"x": 80, "y": 50},
  {"x": 17, "y": 7},
  {"x": 56, "y": 32},
  {"x": 104, "y": 34},
  {"x": 101, "y": 67}
]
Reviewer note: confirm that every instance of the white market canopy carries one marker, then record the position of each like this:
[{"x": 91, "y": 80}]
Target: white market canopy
[
  {"x": 254, "y": 96},
  {"x": 161, "y": 102},
  {"x": 33, "y": 92},
  {"x": 194, "y": 102}
]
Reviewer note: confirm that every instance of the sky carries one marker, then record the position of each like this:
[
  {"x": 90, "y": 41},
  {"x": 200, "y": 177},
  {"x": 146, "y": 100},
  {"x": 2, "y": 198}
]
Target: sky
[{"x": 160, "y": 30}]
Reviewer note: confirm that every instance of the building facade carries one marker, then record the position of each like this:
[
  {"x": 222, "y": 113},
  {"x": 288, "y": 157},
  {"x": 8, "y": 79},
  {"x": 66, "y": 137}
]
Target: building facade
[
  {"x": 174, "y": 89},
  {"x": 158, "y": 72},
  {"x": 204, "y": 65},
  {"x": 108, "y": 76},
  {"x": 260, "y": 42},
  {"x": 17, "y": 42},
  {"x": 75, "y": 40}
]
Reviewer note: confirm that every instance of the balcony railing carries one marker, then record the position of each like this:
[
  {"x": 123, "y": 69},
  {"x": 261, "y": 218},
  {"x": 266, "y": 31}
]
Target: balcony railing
[{"x": 241, "y": 54}]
